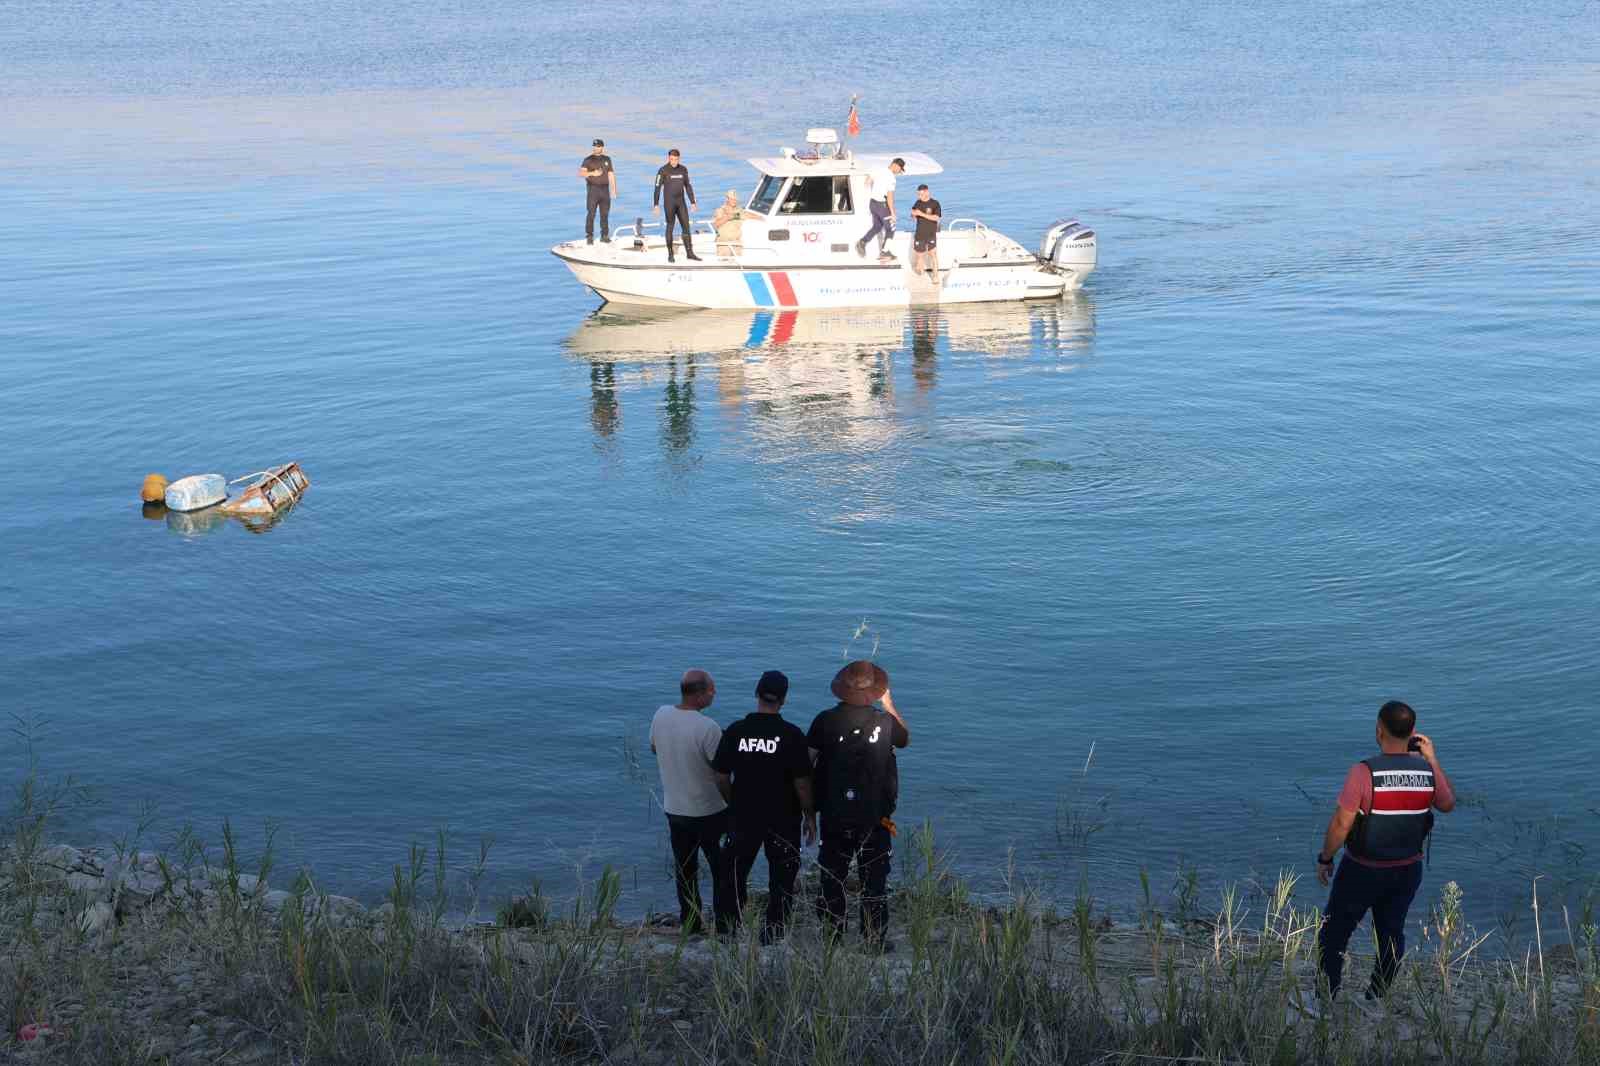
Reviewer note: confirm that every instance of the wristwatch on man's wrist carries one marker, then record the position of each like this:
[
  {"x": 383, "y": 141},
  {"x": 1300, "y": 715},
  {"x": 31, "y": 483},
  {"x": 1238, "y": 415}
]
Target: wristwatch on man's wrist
[{"x": 1323, "y": 862}]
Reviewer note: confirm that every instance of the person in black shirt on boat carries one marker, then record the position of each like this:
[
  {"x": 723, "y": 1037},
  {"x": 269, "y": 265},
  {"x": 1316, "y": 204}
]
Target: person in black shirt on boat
[
  {"x": 763, "y": 768},
  {"x": 925, "y": 242},
  {"x": 675, "y": 193},
  {"x": 600, "y": 183}
]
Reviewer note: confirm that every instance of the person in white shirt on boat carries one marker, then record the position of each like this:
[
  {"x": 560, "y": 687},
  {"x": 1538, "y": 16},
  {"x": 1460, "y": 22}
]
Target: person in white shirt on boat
[{"x": 880, "y": 183}]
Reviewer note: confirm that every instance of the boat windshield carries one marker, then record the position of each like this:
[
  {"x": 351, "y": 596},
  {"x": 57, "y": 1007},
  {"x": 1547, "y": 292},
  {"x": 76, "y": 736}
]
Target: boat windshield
[
  {"x": 766, "y": 194},
  {"x": 819, "y": 195}
]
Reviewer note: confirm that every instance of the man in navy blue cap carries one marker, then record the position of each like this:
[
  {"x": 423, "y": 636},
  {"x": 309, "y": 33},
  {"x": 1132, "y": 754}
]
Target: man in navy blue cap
[
  {"x": 600, "y": 187},
  {"x": 763, "y": 767}
]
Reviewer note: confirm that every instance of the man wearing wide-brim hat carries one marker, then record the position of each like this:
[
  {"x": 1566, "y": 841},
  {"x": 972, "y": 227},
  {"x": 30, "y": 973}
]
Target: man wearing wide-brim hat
[{"x": 857, "y": 786}]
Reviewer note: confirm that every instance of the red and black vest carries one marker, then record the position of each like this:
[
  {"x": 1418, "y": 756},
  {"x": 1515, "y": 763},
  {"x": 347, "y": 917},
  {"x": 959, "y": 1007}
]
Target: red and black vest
[{"x": 1400, "y": 818}]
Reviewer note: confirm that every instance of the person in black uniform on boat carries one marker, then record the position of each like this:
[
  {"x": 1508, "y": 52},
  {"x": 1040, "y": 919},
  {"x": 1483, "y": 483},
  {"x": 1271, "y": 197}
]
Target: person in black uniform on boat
[
  {"x": 675, "y": 194},
  {"x": 600, "y": 186}
]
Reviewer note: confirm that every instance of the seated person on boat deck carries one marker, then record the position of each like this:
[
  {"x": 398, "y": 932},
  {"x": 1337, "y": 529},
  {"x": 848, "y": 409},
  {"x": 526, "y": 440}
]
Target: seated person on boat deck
[{"x": 729, "y": 224}]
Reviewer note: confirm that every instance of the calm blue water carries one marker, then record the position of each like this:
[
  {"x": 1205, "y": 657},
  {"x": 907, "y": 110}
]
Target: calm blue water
[{"x": 1321, "y": 431}]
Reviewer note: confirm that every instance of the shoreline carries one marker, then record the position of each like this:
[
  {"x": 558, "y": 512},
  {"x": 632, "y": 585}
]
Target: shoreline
[{"x": 152, "y": 958}]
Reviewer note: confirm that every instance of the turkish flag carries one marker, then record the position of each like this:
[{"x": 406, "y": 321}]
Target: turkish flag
[{"x": 854, "y": 128}]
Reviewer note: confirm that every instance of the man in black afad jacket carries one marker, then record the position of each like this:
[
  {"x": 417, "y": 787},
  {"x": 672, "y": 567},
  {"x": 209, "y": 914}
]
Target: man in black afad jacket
[
  {"x": 675, "y": 192},
  {"x": 857, "y": 786}
]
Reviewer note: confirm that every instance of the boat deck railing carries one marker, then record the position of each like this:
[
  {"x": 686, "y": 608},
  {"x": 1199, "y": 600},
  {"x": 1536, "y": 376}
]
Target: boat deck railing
[
  {"x": 973, "y": 229},
  {"x": 697, "y": 227}
]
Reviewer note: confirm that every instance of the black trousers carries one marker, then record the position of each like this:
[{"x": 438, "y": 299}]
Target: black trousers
[
  {"x": 782, "y": 843},
  {"x": 870, "y": 850},
  {"x": 692, "y": 837},
  {"x": 599, "y": 197},
  {"x": 1387, "y": 893},
  {"x": 675, "y": 210}
]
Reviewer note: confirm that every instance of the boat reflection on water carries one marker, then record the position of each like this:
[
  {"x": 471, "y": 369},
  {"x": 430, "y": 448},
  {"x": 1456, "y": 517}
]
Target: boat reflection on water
[{"x": 828, "y": 370}]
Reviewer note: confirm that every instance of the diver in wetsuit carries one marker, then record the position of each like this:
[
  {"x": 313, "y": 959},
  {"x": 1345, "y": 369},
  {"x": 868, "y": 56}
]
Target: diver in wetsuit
[{"x": 675, "y": 192}]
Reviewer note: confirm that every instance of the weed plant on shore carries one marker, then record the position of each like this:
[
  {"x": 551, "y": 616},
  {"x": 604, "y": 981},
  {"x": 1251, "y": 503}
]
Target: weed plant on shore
[{"x": 213, "y": 968}]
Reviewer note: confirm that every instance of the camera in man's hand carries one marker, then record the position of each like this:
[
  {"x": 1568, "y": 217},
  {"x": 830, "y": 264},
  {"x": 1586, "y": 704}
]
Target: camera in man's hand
[{"x": 1414, "y": 744}]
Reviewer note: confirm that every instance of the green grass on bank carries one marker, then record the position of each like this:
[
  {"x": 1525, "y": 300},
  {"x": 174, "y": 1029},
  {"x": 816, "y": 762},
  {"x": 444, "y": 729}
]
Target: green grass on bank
[{"x": 220, "y": 976}]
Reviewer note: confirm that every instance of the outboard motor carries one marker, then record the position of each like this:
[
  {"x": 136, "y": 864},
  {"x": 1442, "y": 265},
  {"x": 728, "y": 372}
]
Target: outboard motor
[{"x": 1069, "y": 245}]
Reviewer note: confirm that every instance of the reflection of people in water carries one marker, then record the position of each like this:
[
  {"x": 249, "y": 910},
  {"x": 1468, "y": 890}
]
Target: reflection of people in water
[
  {"x": 924, "y": 356},
  {"x": 604, "y": 411},
  {"x": 878, "y": 379},
  {"x": 677, "y": 433},
  {"x": 730, "y": 384}
]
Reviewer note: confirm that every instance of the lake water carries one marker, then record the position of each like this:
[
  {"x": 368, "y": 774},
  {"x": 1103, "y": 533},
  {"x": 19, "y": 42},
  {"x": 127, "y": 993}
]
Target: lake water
[{"x": 1321, "y": 430}]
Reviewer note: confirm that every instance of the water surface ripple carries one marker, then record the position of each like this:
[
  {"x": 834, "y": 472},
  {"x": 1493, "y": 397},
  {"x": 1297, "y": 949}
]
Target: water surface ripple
[{"x": 1321, "y": 431}]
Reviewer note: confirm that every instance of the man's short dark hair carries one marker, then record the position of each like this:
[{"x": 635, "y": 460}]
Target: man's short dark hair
[
  {"x": 698, "y": 686},
  {"x": 674, "y": 151},
  {"x": 1398, "y": 719},
  {"x": 897, "y": 159},
  {"x": 921, "y": 188},
  {"x": 773, "y": 687}
]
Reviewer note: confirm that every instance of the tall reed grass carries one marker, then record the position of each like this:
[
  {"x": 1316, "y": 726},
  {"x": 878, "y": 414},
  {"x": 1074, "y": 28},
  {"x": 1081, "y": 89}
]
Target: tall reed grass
[{"x": 1014, "y": 982}]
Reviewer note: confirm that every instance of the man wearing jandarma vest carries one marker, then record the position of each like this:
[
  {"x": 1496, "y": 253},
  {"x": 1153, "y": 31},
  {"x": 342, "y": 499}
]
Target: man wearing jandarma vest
[{"x": 1383, "y": 819}]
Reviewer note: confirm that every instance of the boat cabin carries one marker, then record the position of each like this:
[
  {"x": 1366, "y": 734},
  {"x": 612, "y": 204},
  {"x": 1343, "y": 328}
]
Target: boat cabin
[{"x": 815, "y": 202}]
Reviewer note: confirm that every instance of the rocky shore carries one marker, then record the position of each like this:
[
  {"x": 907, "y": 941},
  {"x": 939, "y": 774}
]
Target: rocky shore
[
  {"x": 149, "y": 923},
  {"x": 137, "y": 957}
]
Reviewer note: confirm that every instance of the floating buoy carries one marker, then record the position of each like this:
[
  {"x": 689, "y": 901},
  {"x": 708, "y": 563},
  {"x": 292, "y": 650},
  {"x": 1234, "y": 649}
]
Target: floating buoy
[
  {"x": 193, "y": 493},
  {"x": 153, "y": 489}
]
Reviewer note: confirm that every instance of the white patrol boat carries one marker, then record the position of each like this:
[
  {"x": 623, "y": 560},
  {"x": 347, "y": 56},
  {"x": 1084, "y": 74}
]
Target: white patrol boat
[{"x": 797, "y": 247}]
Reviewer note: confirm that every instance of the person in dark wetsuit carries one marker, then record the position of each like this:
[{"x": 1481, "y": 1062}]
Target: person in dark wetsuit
[
  {"x": 675, "y": 193},
  {"x": 600, "y": 184}
]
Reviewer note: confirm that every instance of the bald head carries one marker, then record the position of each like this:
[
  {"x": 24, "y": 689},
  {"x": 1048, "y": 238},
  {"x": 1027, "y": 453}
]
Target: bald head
[{"x": 698, "y": 690}]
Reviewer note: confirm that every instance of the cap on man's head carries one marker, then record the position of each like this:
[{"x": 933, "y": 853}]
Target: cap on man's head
[
  {"x": 673, "y": 151},
  {"x": 922, "y": 188},
  {"x": 598, "y": 143},
  {"x": 773, "y": 687}
]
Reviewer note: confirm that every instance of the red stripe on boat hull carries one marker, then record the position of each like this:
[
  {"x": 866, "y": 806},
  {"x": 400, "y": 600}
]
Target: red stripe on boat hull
[{"x": 784, "y": 291}]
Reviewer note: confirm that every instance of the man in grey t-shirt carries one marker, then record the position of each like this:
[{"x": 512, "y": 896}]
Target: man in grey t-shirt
[{"x": 685, "y": 741}]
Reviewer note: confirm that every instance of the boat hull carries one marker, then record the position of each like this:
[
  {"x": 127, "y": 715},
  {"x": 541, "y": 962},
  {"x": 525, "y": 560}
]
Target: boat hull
[{"x": 730, "y": 284}]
